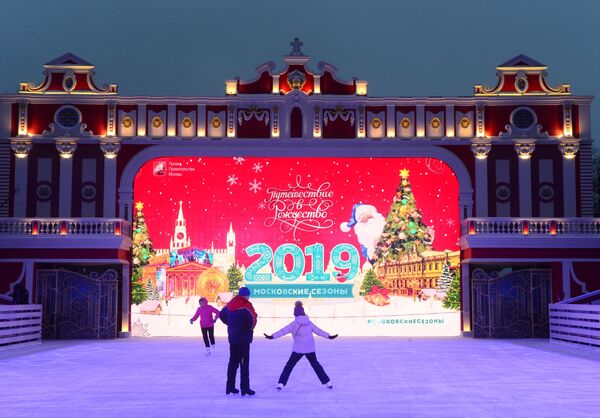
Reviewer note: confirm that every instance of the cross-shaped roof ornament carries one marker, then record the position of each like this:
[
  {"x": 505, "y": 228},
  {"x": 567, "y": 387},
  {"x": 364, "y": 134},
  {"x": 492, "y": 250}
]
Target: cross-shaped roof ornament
[{"x": 296, "y": 45}]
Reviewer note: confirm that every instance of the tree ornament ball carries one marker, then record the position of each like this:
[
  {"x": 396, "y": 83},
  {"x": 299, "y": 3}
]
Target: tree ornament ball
[
  {"x": 138, "y": 229},
  {"x": 404, "y": 201},
  {"x": 411, "y": 225},
  {"x": 413, "y": 231},
  {"x": 136, "y": 260}
]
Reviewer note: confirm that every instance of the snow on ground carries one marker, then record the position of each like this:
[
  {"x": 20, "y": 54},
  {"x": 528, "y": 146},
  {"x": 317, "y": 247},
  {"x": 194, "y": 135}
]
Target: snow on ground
[
  {"x": 372, "y": 377},
  {"x": 402, "y": 317}
]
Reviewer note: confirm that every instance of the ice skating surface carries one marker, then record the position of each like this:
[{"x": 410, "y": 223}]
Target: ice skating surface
[{"x": 372, "y": 377}]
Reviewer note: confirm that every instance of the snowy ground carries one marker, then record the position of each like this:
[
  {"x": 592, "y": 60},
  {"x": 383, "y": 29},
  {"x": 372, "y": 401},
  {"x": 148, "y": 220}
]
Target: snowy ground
[
  {"x": 372, "y": 377},
  {"x": 403, "y": 317}
]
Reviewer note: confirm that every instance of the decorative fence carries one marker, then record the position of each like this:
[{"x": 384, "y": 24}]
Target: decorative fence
[
  {"x": 575, "y": 324},
  {"x": 72, "y": 226},
  {"x": 531, "y": 226},
  {"x": 20, "y": 324}
]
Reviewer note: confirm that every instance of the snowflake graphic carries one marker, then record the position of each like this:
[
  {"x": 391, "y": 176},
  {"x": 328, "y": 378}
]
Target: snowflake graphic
[
  {"x": 262, "y": 205},
  {"x": 257, "y": 167},
  {"x": 139, "y": 329},
  {"x": 450, "y": 222},
  {"x": 239, "y": 160},
  {"x": 255, "y": 186},
  {"x": 232, "y": 179}
]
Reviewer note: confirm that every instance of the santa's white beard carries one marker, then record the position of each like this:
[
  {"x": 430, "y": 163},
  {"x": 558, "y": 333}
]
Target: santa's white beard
[{"x": 369, "y": 232}]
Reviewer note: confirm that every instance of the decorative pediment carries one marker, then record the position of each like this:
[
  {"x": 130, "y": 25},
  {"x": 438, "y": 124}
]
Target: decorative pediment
[
  {"x": 522, "y": 76},
  {"x": 296, "y": 77},
  {"x": 67, "y": 74},
  {"x": 192, "y": 266}
]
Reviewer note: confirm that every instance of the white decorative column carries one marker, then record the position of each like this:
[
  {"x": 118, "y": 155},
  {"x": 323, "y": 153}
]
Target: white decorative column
[
  {"x": 125, "y": 303},
  {"x": 524, "y": 149},
  {"x": 201, "y": 121},
  {"x": 141, "y": 116},
  {"x": 450, "y": 121},
  {"x": 566, "y": 279},
  {"x": 420, "y": 131},
  {"x": 275, "y": 122},
  {"x": 465, "y": 303},
  {"x": 66, "y": 148},
  {"x": 171, "y": 119},
  {"x": 480, "y": 121},
  {"x": 569, "y": 151},
  {"x": 111, "y": 119},
  {"x": 316, "y": 122},
  {"x": 110, "y": 150},
  {"x": 231, "y": 123},
  {"x": 481, "y": 150},
  {"x": 21, "y": 148},
  {"x": 390, "y": 121},
  {"x": 126, "y": 205}
]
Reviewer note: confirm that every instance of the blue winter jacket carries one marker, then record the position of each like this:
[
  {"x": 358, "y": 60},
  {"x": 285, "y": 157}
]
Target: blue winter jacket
[{"x": 240, "y": 318}]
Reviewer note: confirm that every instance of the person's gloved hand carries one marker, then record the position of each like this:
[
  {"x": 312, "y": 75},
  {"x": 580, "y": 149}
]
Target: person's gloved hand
[
  {"x": 268, "y": 337},
  {"x": 333, "y": 337},
  {"x": 191, "y": 322}
]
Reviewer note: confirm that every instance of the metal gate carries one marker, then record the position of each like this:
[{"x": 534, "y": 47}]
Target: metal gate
[
  {"x": 512, "y": 306},
  {"x": 77, "y": 306}
]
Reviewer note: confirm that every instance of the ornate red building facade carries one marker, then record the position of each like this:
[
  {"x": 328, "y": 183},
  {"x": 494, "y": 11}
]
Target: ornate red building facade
[{"x": 521, "y": 151}]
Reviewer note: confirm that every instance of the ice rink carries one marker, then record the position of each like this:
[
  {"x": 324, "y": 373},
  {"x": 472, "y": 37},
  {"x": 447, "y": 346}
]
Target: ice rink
[{"x": 372, "y": 377}]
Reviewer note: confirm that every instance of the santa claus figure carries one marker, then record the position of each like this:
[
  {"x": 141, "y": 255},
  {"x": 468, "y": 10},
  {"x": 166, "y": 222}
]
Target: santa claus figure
[{"x": 368, "y": 225}]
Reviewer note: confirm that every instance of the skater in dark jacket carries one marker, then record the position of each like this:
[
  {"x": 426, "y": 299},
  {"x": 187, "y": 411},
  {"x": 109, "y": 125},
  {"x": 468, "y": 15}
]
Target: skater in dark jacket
[
  {"x": 240, "y": 318},
  {"x": 302, "y": 330}
]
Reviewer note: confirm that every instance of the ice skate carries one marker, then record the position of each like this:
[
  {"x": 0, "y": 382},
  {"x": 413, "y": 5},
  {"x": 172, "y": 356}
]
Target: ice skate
[
  {"x": 248, "y": 392},
  {"x": 280, "y": 386},
  {"x": 328, "y": 385},
  {"x": 208, "y": 351}
]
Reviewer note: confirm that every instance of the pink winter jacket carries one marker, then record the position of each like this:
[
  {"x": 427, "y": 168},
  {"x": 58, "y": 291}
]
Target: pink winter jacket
[
  {"x": 302, "y": 332},
  {"x": 205, "y": 314}
]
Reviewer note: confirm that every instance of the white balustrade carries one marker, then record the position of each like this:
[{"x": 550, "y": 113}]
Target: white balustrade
[
  {"x": 70, "y": 226},
  {"x": 531, "y": 226}
]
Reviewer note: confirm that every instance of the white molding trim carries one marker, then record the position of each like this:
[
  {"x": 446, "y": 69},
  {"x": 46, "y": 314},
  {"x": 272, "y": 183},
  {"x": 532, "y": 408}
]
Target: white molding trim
[{"x": 286, "y": 148}]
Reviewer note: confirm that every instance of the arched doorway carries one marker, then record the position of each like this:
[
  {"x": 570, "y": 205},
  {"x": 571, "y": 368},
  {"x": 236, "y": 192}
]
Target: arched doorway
[{"x": 319, "y": 167}]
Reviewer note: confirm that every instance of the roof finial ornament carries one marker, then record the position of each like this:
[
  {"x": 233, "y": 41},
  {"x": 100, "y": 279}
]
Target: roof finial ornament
[{"x": 296, "y": 45}]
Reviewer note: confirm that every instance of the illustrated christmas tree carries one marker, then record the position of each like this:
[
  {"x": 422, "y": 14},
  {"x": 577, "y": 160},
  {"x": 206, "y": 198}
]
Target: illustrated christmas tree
[
  {"x": 369, "y": 281},
  {"x": 445, "y": 278},
  {"x": 235, "y": 277},
  {"x": 151, "y": 291},
  {"x": 141, "y": 251},
  {"x": 404, "y": 231},
  {"x": 452, "y": 300}
]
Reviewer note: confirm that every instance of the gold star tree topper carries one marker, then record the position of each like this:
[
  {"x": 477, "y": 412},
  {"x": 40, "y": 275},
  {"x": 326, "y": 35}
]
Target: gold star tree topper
[
  {"x": 404, "y": 173},
  {"x": 139, "y": 205}
]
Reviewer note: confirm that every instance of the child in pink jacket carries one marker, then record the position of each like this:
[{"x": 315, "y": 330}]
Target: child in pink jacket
[
  {"x": 207, "y": 322},
  {"x": 304, "y": 345}
]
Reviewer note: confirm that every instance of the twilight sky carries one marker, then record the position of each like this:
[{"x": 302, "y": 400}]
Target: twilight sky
[{"x": 403, "y": 48}]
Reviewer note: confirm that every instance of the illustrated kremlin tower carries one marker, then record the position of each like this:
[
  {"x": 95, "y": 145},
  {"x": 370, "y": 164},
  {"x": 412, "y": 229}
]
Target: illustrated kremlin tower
[
  {"x": 181, "y": 238},
  {"x": 222, "y": 258},
  {"x": 225, "y": 258}
]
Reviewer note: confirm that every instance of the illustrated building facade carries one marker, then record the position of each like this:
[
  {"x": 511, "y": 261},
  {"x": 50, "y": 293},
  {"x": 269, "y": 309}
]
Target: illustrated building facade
[{"x": 521, "y": 152}]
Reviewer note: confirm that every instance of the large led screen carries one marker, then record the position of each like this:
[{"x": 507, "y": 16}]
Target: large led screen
[{"x": 370, "y": 245}]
